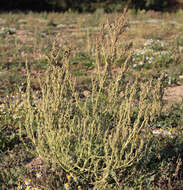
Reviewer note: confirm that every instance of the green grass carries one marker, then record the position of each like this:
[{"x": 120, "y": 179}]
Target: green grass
[{"x": 86, "y": 46}]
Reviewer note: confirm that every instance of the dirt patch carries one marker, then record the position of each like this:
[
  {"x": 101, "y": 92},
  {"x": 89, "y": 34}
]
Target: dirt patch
[
  {"x": 174, "y": 94},
  {"x": 36, "y": 163},
  {"x": 24, "y": 36}
]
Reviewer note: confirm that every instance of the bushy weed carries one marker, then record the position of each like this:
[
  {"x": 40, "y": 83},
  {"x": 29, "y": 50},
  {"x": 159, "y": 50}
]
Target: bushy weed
[{"x": 97, "y": 138}]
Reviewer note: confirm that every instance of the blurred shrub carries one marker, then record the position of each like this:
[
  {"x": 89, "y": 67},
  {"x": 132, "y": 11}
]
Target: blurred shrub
[
  {"x": 25, "y": 5},
  {"x": 84, "y": 5},
  {"x": 152, "y": 4}
]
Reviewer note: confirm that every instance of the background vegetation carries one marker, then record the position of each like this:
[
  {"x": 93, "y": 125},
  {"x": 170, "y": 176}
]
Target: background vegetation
[{"x": 85, "y": 5}]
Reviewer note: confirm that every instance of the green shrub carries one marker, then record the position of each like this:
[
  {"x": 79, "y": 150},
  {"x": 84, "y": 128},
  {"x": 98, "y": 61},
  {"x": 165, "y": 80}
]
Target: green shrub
[{"x": 99, "y": 137}]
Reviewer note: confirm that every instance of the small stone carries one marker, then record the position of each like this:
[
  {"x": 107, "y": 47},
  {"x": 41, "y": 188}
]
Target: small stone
[{"x": 61, "y": 26}]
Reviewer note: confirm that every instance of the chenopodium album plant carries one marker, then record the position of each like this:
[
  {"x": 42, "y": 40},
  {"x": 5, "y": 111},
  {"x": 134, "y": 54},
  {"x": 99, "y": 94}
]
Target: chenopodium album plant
[{"x": 98, "y": 137}]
